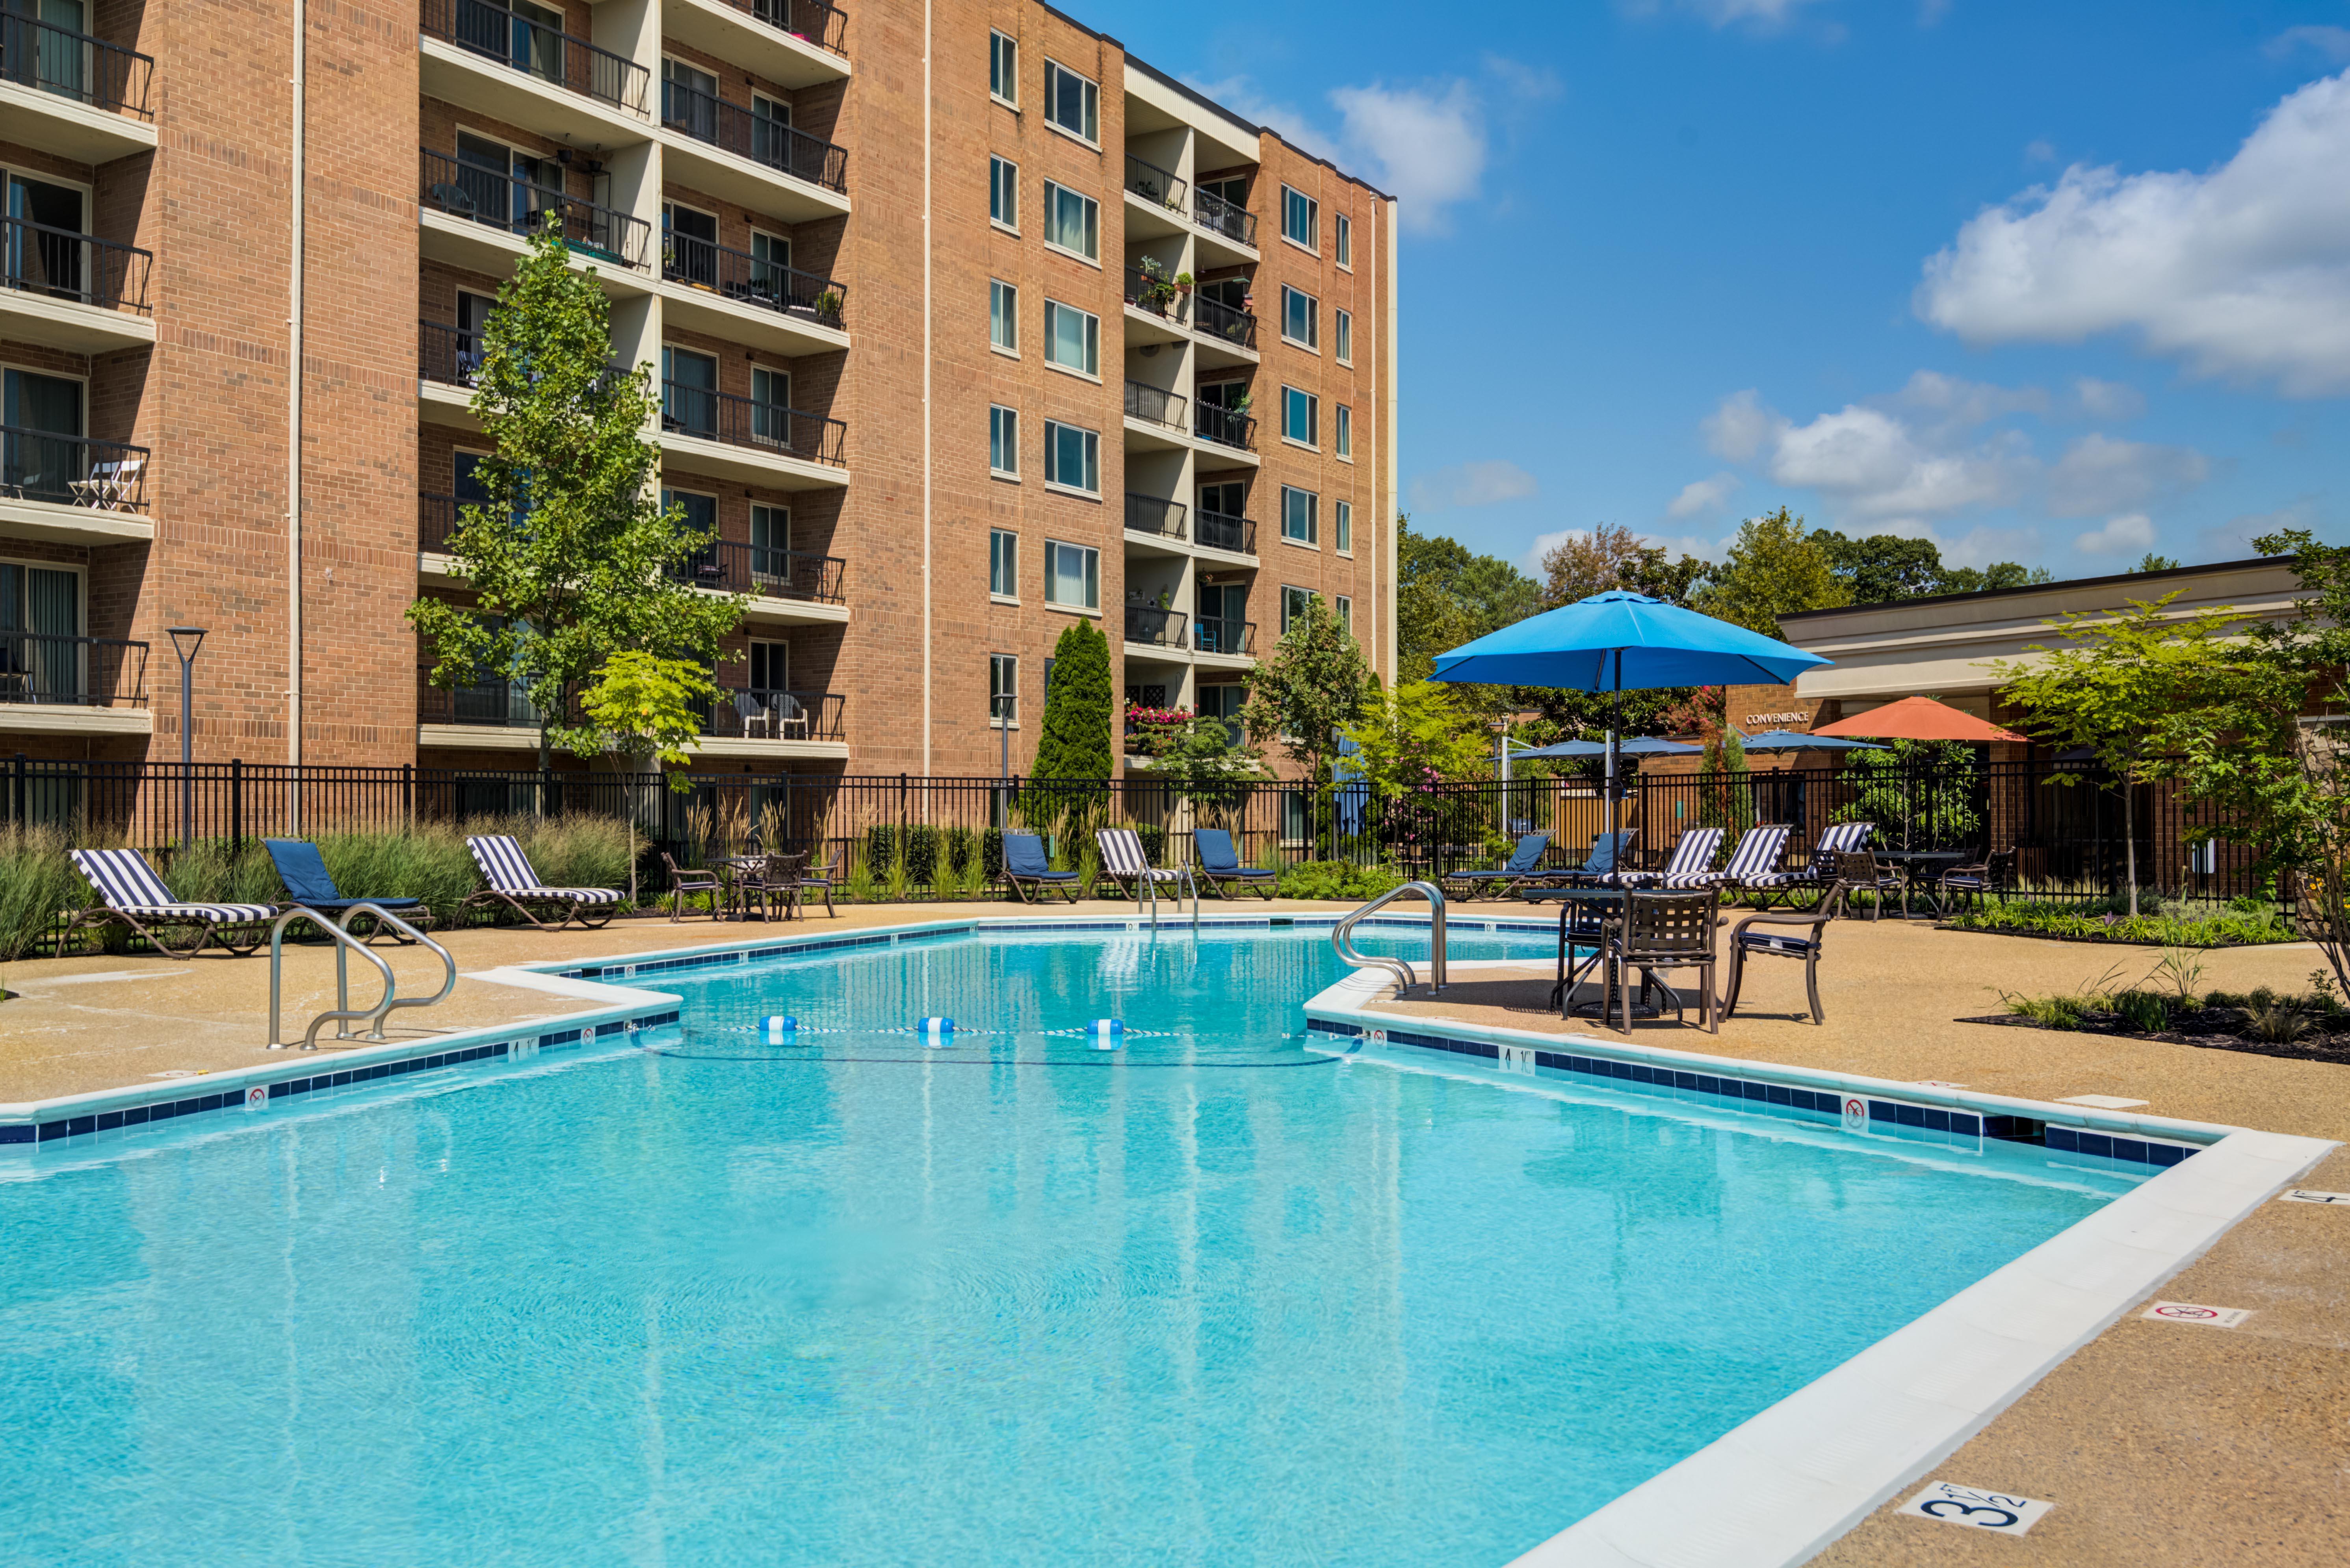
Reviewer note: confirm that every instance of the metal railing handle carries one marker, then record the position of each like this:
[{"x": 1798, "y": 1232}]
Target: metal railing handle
[
  {"x": 346, "y": 944},
  {"x": 1399, "y": 968}
]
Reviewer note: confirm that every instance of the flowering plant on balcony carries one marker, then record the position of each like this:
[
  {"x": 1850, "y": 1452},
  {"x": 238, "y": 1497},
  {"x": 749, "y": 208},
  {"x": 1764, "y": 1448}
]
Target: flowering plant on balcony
[{"x": 1148, "y": 729}]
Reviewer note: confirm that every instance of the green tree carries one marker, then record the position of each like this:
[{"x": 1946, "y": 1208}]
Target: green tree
[
  {"x": 567, "y": 557},
  {"x": 1726, "y": 800},
  {"x": 1417, "y": 734},
  {"x": 1995, "y": 578},
  {"x": 1611, "y": 557},
  {"x": 1773, "y": 569},
  {"x": 1202, "y": 763},
  {"x": 2119, "y": 689},
  {"x": 1315, "y": 681},
  {"x": 1914, "y": 791},
  {"x": 1447, "y": 595},
  {"x": 1074, "y": 753},
  {"x": 1884, "y": 568},
  {"x": 2151, "y": 562}
]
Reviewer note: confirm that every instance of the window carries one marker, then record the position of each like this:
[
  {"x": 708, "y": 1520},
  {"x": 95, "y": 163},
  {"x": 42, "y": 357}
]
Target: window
[
  {"x": 1073, "y": 457},
  {"x": 689, "y": 97},
  {"x": 1342, "y": 435},
  {"x": 1341, "y": 604},
  {"x": 1072, "y": 221},
  {"x": 1072, "y": 103},
  {"x": 1293, "y": 605},
  {"x": 1003, "y": 192},
  {"x": 41, "y": 601},
  {"x": 1003, "y": 564},
  {"x": 1002, "y": 316},
  {"x": 1003, "y": 690},
  {"x": 690, "y": 392},
  {"x": 1072, "y": 576},
  {"x": 1003, "y": 440},
  {"x": 771, "y": 551},
  {"x": 39, "y": 470},
  {"x": 771, "y": 407},
  {"x": 1301, "y": 318},
  {"x": 1342, "y": 241},
  {"x": 771, "y": 134},
  {"x": 701, "y": 511},
  {"x": 1342, "y": 330},
  {"x": 1342, "y": 527},
  {"x": 1301, "y": 219},
  {"x": 1072, "y": 338},
  {"x": 771, "y": 267},
  {"x": 770, "y": 669},
  {"x": 1002, "y": 69},
  {"x": 1300, "y": 522},
  {"x": 1300, "y": 417}
]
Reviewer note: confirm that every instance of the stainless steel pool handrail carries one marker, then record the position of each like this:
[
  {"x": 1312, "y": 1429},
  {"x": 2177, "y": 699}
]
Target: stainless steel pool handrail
[
  {"x": 1397, "y": 966},
  {"x": 346, "y": 944}
]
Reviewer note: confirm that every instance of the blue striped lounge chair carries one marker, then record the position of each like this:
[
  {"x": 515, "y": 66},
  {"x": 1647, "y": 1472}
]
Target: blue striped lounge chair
[
  {"x": 1027, "y": 869},
  {"x": 513, "y": 882},
  {"x": 1753, "y": 867},
  {"x": 1123, "y": 862},
  {"x": 1692, "y": 865},
  {"x": 1503, "y": 882},
  {"x": 130, "y": 893},
  {"x": 1221, "y": 868}
]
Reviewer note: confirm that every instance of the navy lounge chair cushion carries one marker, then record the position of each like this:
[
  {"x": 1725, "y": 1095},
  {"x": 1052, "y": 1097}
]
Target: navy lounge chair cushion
[
  {"x": 1522, "y": 861},
  {"x": 1024, "y": 857},
  {"x": 304, "y": 871},
  {"x": 1216, "y": 855}
]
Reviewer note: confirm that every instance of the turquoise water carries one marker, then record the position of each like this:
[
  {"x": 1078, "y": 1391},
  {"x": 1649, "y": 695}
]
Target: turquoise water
[{"x": 1212, "y": 1299}]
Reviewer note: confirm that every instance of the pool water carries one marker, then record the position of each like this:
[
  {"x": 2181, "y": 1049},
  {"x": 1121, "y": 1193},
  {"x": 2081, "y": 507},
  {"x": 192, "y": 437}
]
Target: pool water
[{"x": 1209, "y": 1299}]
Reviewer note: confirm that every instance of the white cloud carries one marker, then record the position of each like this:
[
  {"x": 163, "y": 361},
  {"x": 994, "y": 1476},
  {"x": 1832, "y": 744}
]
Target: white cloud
[
  {"x": 2243, "y": 272},
  {"x": 1741, "y": 427},
  {"x": 2098, "y": 473},
  {"x": 2334, "y": 43},
  {"x": 2232, "y": 540},
  {"x": 1960, "y": 404},
  {"x": 1702, "y": 495},
  {"x": 1425, "y": 147},
  {"x": 1876, "y": 464},
  {"x": 1472, "y": 484},
  {"x": 2131, "y": 532},
  {"x": 2039, "y": 151},
  {"x": 2108, "y": 399},
  {"x": 1763, "y": 15}
]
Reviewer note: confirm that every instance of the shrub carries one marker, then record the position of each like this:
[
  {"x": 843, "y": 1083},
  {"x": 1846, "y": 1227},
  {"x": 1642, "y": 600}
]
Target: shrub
[
  {"x": 38, "y": 883},
  {"x": 2143, "y": 1010},
  {"x": 1336, "y": 879},
  {"x": 1154, "y": 842},
  {"x": 2174, "y": 925},
  {"x": 880, "y": 850},
  {"x": 212, "y": 871},
  {"x": 431, "y": 862},
  {"x": 922, "y": 853},
  {"x": 2279, "y": 1023}
]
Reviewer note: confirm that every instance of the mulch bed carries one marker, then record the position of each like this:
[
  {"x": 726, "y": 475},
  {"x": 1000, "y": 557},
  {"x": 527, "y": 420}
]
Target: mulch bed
[{"x": 2213, "y": 1029}]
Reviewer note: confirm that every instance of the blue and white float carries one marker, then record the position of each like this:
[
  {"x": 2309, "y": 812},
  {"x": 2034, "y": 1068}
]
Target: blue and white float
[
  {"x": 1107, "y": 1033},
  {"x": 778, "y": 1030},
  {"x": 936, "y": 1033}
]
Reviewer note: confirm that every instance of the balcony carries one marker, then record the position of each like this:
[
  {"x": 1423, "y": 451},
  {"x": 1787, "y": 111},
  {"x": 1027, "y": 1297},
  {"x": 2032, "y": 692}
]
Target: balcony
[
  {"x": 1154, "y": 627},
  {"x": 483, "y": 56},
  {"x": 744, "y": 722},
  {"x": 791, "y": 586},
  {"x": 72, "y": 291},
  {"x": 449, "y": 363},
  {"x": 488, "y": 201},
  {"x": 736, "y": 437},
  {"x": 72, "y": 685},
  {"x": 1235, "y": 536},
  {"x": 1223, "y": 637},
  {"x": 795, "y": 42},
  {"x": 1228, "y": 327},
  {"x": 1150, "y": 290},
  {"x": 1154, "y": 405},
  {"x": 1150, "y": 515},
  {"x": 71, "y": 489},
  {"x": 1224, "y": 219},
  {"x": 760, "y": 714},
  {"x": 731, "y": 290},
  {"x": 73, "y": 94},
  {"x": 814, "y": 172},
  {"x": 1225, "y": 427}
]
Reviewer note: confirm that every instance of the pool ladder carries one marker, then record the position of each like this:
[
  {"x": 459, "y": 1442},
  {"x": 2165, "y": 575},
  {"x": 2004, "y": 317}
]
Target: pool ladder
[
  {"x": 346, "y": 944},
  {"x": 1397, "y": 966}
]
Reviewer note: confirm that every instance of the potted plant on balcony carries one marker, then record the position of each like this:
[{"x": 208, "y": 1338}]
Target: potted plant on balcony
[
  {"x": 1156, "y": 291},
  {"x": 1182, "y": 283},
  {"x": 827, "y": 304}
]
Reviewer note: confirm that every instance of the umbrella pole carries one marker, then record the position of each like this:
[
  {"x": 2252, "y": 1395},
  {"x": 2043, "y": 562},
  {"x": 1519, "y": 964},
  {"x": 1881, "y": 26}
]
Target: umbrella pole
[{"x": 1615, "y": 725}]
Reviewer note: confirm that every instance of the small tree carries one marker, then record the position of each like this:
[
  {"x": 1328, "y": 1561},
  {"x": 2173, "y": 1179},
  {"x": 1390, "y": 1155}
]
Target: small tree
[
  {"x": 1775, "y": 568},
  {"x": 1074, "y": 754},
  {"x": 1202, "y": 764},
  {"x": 2119, "y": 691},
  {"x": 1314, "y": 683},
  {"x": 1416, "y": 731},
  {"x": 567, "y": 555},
  {"x": 1726, "y": 801}
]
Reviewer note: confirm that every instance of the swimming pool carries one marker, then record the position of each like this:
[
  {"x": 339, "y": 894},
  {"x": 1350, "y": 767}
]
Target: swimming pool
[{"x": 690, "y": 1297}]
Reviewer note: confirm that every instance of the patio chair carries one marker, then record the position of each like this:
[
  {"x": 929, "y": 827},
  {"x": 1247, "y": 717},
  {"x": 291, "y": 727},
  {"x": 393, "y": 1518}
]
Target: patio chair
[
  {"x": 1124, "y": 863},
  {"x": 130, "y": 893},
  {"x": 757, "y": 717},
  {"x": 774, "y": 879},
  {"x": 1994, "y": 874},
  {"x": 1790, "y": 933},
  {"x": 682, "y": 882},
  {"x": 1858, "y": 871},
  {"x": 111, "y": 486},
  {"x": 309, "y": 886},
  {"x": 1660, "y": 931},
  {"x": 513, "y": 883},
  {"x": 1026, "y": 867},
  {"x": 1690, "y": 866},
  {"x": 1505, "y": 881},
  {"x": 1753, "y": 869},
  {"x": 1221, "y": 868}
]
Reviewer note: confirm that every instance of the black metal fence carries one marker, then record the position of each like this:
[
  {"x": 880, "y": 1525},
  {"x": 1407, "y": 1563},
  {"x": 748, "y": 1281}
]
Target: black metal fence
[
  {"x": 505, "y": 200},
  {"x": 52, "y": 60},
  {"x": 750, "y": 279},
  {"x": 739, "y": 131},
  {"x": 529, "y": 46},
  {"x": 64, "y": 263}
]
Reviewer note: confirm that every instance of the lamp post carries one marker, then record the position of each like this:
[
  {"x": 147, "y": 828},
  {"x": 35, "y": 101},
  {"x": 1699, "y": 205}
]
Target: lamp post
[{"x": 185, "y": 641}]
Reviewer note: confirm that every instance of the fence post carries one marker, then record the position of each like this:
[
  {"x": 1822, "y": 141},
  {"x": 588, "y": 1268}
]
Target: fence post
[
  {"x": 17, "y": 792},
  {"x": 408, "y": 794},
  {"x": 546, "y": 792},
  {"x": 236, "y": 805}
]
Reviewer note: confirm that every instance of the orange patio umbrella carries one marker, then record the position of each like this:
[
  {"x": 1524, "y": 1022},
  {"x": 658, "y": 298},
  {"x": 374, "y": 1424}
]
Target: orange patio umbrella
[{"x": 1917, "y": 719}]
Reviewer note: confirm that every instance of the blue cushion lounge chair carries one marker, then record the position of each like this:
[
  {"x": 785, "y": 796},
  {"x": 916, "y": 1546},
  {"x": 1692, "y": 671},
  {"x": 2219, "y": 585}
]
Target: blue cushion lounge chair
[
  {"x": 1505, "y": 881},
  {"x": 1025, "y": 867},
  {"x": 130, "y": 893},
  {"x": 513, "y": 882},
  {"x": 1221, "y": 868},
  {"x": 1598, "y": 869},
  {"x": 304, "y": 871}
]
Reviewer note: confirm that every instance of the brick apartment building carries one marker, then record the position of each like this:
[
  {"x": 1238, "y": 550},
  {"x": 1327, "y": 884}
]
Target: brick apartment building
[{"x": 907, "y": 277}]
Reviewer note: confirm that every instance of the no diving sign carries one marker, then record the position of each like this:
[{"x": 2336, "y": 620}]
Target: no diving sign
[
  {"x": 2194, "y": 1312},
  {"x": 2000, "y": 1512}
]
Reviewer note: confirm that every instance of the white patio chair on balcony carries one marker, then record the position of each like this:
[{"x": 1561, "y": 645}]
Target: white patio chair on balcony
[
  {"x": 757, "y": 719},
  {"x": 111, "y": 486}
]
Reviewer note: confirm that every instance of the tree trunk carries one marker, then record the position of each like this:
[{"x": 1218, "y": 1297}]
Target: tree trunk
[
  {"x": 539, "y": 796},
  {"x": 2130, "y": 838}
]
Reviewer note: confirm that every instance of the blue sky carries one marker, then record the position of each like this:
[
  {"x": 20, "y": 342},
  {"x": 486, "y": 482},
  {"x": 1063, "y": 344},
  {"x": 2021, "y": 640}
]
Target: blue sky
[{"x": 2050, "y": 282}]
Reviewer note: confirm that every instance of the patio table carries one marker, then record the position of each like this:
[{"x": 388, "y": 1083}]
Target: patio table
[{"x": 1916, "y": 865}]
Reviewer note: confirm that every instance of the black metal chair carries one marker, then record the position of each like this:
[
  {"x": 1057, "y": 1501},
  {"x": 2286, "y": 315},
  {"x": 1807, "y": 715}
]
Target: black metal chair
[
  {"x": 1790, "y": 933},
  {"x": 1856, "y": 870},
  {"x": 773, "y": 879},
  {"x": 682, "y": 882},
  {"x": 1660, "y": 931},
  {"x": 1994, "y": 874}
]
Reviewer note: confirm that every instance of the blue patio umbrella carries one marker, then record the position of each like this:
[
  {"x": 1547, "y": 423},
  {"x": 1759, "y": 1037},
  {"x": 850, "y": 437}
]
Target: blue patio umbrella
[
  {"x": 1631, "y": 746},
  {"x": 1793, "y": 740}
]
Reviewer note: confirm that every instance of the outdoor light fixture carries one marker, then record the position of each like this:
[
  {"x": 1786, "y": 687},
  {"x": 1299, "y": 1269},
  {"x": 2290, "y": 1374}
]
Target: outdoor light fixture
[{"x": 185, "y": 641}]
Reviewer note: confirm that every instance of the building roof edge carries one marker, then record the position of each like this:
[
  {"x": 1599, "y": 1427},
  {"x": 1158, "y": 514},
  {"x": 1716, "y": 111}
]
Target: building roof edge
[{"x": 2041, "y": 587}]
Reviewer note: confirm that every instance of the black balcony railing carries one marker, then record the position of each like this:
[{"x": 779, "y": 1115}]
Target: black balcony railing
[
  {"x": 743, "y": 421},
  {"x": 1156, "y": 293},
  {"x": 739, "y": 274},
  {"x": 1229, "y": 219},
  {"x": 72, "y": 671},
  {"x": 44, "y": 56},
  {"x": 1215, "y": 634},
  {"x": 1152, "y": 514},
  {"x": 64, "y": 264},
  {"x": 447, "y": 355},
  {"x": 1218, "y": 532},
  {"x": 736, "y": 129},
  {"x": 1217, "y": 319},
  {"x": 1152, "y": 183},
  {"x": 436, "y": 520},
  {"x": 1156, "y": 404},
  {"x": 72, "y": 471},
  {"x": 760, "y": 714},
  {"x": 1154, "y": 627},
  {"x": 538, "y": 50},
  {"x": 731, "y": 566},
  {"x": 811, "y": 21},
  {"x": 502, "y": 201},
  {"x": 1226, "y": 427},
  {"x": 492, "y": 704}
]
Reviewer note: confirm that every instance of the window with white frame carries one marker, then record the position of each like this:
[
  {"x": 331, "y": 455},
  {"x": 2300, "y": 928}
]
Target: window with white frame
[
  {"x": 1003, "y": 440},
  {"x": 1072, "y": 338},
  {"x": 1072, "y": 457},
  {"x": 1342, "y": 240},
  {"x": 1003, "y": 690},
  {"x": 1072, "y": 221},
  {"x": 1301, "y": 219},
  {"x": 1003, "y": 192},
  {"x": 1003, "y": 563},
  {"x": 1072, "y": 103},
  {"x": 1344, "y": 609},
  {"x": 1002, "y": 69},
  {"x": 1342, "y": 527},
  {"x": 1342, "y": 336},
  {"x": 1300, "y": 417},
  {"x": 1342, "y": 431},
  {"x": 1301, "y": 522},
  {"x": 1072, "y": 576},
  {"x": 1294, "y": 601},
  {"x": 1301, "y": 318},
  {"x": 1002, "y": 316}
]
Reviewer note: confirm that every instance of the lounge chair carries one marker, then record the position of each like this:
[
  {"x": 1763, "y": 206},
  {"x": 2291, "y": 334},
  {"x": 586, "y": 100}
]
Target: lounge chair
[
  {"x": 1124, "y": 863},
  {"x": 1221, "y": 868},
  {"x": 1690, "y": 866},
  {"x": 1791, "y": 933},
  {"x": 513, "y": 883},
  {"x": 1598, "y": 869},
  {"x": 1505, "y": 881},
  {"x": 817, "y": 879},
  {"x": 131, "y": 895},
  {"x": 1026, "y": 867},
  {"x": 307, "y": 884},
  {"x": 1753, "y": 867}
]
